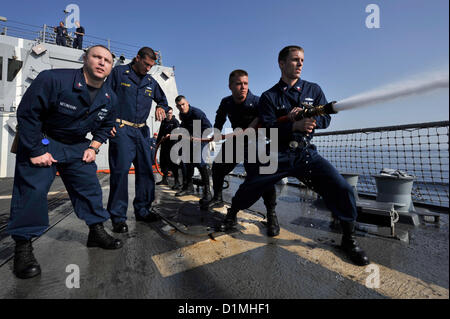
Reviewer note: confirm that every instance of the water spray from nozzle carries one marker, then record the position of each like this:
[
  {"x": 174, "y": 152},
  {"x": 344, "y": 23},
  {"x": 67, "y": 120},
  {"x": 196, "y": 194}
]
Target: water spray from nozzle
[{"x": 424, "y": 84}]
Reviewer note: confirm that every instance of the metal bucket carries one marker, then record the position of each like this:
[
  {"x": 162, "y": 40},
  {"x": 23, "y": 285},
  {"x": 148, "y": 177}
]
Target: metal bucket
[
  {"x": 397, "y": 190},
  {"x": 352, "y": 179}
]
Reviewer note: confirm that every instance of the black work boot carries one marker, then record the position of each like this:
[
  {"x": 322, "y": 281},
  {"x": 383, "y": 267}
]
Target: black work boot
[
  {"x": 217, "y": 199},
  {"x": 350, "y": 245},
  {"x": 204, "y": 173},
  {"x": 25, "y": 265},
  {"x": 273, "y": 228},
  {"x": 163, "y": 181},
  {"x": 176, "y": 185},
  {"x": 98, "y": 237},
  {"x": 230, "y": 220},
  {"x": 120, "y": 227},
  {"x": 151, "y": 217},
  {"x": 187, "y": 189}
]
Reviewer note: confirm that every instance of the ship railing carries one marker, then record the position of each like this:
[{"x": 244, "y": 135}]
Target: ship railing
[
  {"x": 420, "y": 150},
  {"x": 46, "y": 34}
]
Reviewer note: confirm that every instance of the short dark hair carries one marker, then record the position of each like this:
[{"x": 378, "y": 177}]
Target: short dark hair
[
  {"x": 98, "y": 45},
  {"x": 146, "y": 51},
  {"x": 179, "y": 98},
  {"x": 284, "y": 53},
  {"x": 237, "y": 72},
  {"x": 169, "y": 109}
]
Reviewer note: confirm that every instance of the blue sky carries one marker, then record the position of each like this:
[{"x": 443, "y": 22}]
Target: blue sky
[{"x": 205, "y": 40}]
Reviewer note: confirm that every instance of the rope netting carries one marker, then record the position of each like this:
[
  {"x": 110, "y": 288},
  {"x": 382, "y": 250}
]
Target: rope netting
[{"x": 420, "y": 150}]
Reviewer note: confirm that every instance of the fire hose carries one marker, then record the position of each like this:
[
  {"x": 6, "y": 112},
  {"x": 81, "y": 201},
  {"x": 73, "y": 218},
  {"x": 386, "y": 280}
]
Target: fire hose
[{"x": 306, "y": 111}]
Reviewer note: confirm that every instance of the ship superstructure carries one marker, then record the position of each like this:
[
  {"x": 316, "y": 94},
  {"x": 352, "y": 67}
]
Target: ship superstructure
[{"x": 21, "y": 60}]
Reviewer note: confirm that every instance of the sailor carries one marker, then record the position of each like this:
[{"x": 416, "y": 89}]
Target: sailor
[
  {"x": 167, "y": 125},
  {"x": 61, "y": 34},
  {"x": 241, "y": 109},
  {"x": 136, "y": 90},
  {"x": 297, "y": 157},
  {"x": 153, "y": 142},
  {"x": 79, "y": 32},
  {"x": 188, "y": 116},
  {"x": 57, "y": 111}
]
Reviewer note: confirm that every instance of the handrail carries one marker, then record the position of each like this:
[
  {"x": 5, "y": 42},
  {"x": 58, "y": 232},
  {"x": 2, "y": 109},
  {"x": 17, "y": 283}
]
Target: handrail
[
  {"x": 386, "y": 128},
  {"x": 46, "y": 34}
]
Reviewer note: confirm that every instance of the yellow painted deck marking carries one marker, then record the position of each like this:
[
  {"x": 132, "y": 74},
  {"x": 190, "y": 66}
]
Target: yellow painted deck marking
[
  {"x": 49, "y": 194},
  {"x": 201, "y": 253}
]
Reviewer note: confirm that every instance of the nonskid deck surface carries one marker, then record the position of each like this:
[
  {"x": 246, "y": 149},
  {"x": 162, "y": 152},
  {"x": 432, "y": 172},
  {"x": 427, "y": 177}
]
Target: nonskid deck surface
[{"x": 160, "y": 261}]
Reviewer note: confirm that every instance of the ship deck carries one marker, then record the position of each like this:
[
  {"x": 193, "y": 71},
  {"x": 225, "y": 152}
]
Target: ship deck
[{"x": 159, "y": 261}]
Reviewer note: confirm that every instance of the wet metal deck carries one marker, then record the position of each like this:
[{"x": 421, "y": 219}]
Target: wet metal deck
[{"x": 157, "y": 261}]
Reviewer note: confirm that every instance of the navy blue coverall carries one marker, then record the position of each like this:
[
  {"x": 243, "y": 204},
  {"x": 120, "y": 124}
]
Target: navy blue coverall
[
  {"x": 57, "y": 107},
  {"x": 78, "y": 41},
  {"x": 240, "y": 116},
  {"x": 153, "y": 142},
  {"x": 302, "y": 162},
  {"x": 187, "y": 122},
  {"x": 132, "y": 144},
  {"x": 164, "y": 155},
  {"x": 61, "y": 33}
]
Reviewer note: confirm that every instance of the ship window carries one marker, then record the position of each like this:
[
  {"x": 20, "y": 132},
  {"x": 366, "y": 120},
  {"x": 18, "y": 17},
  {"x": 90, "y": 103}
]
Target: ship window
[
  {"x": 1, "y": 67},
  {"x": 164, "y": 76},
  {"x": 14, "y": 67}
]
